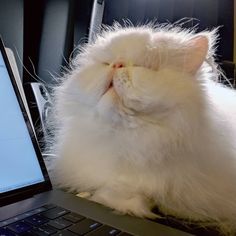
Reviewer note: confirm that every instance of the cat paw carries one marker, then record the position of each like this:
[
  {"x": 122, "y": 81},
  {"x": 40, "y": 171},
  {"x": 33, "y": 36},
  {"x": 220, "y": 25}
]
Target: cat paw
[
  {"x": 136, "y": 205},
  {"x": 143, "y": 213},
  {"x": 86, "y": 195}
]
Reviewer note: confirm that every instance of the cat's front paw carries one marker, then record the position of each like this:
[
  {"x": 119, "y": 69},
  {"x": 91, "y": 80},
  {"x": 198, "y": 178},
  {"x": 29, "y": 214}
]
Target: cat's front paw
[
  {"x": 125, "y": 204},
  {"x": 135, "y": 206},
  {"x": 144, "y": 212},
  {"x": 86, "y": 195}
]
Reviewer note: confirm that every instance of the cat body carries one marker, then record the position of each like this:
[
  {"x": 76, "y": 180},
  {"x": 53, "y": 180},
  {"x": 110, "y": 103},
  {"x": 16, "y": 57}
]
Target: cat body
[{"x": 140, "y": 122}]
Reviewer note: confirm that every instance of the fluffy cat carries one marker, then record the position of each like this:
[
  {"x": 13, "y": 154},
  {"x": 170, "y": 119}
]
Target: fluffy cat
[{"x": 139, "y": 122}]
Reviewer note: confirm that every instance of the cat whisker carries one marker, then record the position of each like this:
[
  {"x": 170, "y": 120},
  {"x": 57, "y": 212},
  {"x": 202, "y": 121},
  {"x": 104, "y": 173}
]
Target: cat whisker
[{"x": 35, "y": 76}]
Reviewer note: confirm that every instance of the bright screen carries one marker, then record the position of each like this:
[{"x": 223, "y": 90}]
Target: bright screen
[{"x": 19, "y": 166}]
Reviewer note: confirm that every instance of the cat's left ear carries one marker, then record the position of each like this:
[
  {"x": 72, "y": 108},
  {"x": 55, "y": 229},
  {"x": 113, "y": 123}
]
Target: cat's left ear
[{"x": 196, "y": 53}]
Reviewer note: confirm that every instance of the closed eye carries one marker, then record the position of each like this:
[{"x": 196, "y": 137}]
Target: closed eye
[{"x": 105, "y": 63}]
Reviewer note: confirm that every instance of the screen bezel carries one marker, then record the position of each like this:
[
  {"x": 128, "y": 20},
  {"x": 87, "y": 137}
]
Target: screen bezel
[{"x": 28, "y": 191}]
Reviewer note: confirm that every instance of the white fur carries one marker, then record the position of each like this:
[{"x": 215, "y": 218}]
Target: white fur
[{"x": 163, "y": 134}]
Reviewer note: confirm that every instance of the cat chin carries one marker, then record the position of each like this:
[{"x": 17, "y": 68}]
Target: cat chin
[
  {"x": 112, "y": 110},
  {"x": 108, "y": 104},
  {"x": 109, "y": 98}
]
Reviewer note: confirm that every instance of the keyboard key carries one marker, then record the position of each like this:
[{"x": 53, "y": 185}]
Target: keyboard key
[
  {"x": 73, "y": 217},
  {"x": 19, "y": 227},
  {"x": 105, "y": 231},
  {"x": 35, "y": 211},
  {"x": 23, "y": 216},
  {"x": 36, "y": 220},
  {"x": 28, "y": 233},
  {"x": 60, "y": 223},
  {"x": 65, "y": 233},
  {"x": 39, "y": 210},
  {"x": 12, "y": 220},
  {"x": 6, "y": 232},
  {"x": 55, "y": 213},
  {"x": 84, "y": 226},
  {"x": 44, "y": 230},
  {"x": 7, "y": 222}
]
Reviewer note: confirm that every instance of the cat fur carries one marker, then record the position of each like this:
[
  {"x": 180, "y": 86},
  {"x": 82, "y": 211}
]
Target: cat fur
[{"x": 141, "y": 121}]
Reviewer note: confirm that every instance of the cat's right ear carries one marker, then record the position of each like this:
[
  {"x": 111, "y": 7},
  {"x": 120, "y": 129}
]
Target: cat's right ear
[{"x": 196, "y": 53}]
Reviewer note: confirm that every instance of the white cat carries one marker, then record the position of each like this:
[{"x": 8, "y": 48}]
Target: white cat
[{"x": 141, "y": 122}]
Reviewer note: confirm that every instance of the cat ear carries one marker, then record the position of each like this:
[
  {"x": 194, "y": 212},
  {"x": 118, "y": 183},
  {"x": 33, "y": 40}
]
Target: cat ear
[{"x": 196, "y": 53}]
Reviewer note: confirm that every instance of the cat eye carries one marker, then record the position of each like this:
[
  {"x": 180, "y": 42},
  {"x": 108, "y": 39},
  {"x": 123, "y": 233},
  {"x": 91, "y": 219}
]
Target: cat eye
[
  {"x": 106, "y": 63},
  {"x": 115, "y": 65}
]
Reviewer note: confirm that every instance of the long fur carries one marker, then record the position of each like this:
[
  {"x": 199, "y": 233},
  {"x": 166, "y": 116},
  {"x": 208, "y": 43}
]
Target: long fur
[{"x": 160, "y": 136}]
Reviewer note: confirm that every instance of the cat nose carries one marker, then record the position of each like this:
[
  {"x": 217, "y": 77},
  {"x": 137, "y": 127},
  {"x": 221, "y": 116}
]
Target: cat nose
[{"x": 117, "y": 65}]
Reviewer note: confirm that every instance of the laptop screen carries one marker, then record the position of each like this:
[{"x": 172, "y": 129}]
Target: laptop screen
[{"x": 19, "y": 165}]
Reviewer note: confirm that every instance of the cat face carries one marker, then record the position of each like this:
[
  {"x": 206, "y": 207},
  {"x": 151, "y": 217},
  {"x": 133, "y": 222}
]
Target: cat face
[{"x": 139, "y": 71}]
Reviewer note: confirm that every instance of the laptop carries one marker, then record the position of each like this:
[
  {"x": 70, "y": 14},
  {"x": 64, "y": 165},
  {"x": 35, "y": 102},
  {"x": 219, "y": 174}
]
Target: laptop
[{"x": 28, "y": 204}]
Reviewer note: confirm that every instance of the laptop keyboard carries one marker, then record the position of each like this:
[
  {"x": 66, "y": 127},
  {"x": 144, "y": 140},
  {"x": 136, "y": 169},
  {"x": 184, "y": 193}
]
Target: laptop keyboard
[{"x": 54, "y": 220}]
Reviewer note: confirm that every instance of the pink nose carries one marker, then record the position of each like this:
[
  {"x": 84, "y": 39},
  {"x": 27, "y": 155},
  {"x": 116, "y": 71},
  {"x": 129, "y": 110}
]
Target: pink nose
[{"x": 117, "y": 65}]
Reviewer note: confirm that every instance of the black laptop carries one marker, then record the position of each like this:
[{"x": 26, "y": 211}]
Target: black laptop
[{"x": 28, "y": 205}]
